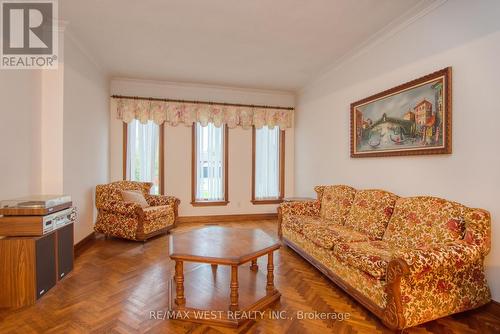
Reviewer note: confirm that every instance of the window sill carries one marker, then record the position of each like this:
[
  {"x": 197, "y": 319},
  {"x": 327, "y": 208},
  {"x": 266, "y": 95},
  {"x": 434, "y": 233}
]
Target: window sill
[
  {"x": 267, "y": 201},
  {"x": 210, "y": 203}
]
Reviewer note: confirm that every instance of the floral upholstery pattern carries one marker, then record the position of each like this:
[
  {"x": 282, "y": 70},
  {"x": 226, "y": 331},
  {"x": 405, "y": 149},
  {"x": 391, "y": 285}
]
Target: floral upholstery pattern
[
  {"x": 328, "y": 235},
  {"x": 372, "y": 257},
  {"x": 155, "y": 212},
  {"x": 478, "y": 229},
  {"x": 420, "y": 221},
  {"x": 336, "y": 202},
  {"x": 159, "y": 200},
  {"x": 442, "y": 280},
  {"x": 129, "y": 220},
  {"x": 428, "y": 264},
  {"x": 158, "y": 223},
  {"x": 319, "y": 192},
  {"x": 297, "y": 223},
  {"x": 112, "y": 192},
  {"x": 371, "y": 211},
  {"x": 305, "y": 208},
  {"x": 370, "y": 287},
  {"x": 117, "y": 225},
  {"x": 291, "y": 211}
]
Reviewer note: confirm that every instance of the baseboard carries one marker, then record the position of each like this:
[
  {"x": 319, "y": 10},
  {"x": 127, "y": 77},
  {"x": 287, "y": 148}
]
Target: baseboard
[
  {"x": 227, "y": 218},
  {"x": 80, "y": 245},
  {"x": 493, "y": 308}
]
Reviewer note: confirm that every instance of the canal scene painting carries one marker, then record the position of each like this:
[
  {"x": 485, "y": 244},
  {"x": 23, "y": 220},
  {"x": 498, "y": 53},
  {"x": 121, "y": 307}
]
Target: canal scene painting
[{"x": 411, "y": 119}]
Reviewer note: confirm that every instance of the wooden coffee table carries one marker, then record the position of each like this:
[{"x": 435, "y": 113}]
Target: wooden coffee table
[{"x": 234, "y": 294}]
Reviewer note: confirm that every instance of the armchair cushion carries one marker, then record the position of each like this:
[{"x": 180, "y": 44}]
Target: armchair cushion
[
  {"x": 128, "y": 209},
  {"x": 134, "y": 196},
  {"x": 158, "y": 217},
  {"x": 327, "y": 235},
  {"x": 371, "y": 257},
  {"x": 371, "y": 211},
  {"x": 336, "y": 202},
  {"x": 154, "y": 212}
]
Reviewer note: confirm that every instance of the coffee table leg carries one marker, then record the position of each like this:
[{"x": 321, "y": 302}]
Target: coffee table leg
[
  {"x": 270, "y": 274},
  {"x": 214, "y": 267},
  {"x": 254, "y": 265},
  {"x": 180, "y": 300},
  {"x": 234, "y": 288}
]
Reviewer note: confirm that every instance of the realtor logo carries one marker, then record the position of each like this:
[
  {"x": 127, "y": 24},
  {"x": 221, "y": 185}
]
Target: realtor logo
[{"x": 29, "y": 34}]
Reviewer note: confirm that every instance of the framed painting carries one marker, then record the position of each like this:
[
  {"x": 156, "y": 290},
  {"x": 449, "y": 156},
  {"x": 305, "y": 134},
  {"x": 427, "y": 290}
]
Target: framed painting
[{"x": 410, "y": 119}]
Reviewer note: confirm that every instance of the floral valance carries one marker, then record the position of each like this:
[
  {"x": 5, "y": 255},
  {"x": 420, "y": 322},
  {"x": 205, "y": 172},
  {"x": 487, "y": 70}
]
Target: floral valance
[{"x": 174, "y": 113}]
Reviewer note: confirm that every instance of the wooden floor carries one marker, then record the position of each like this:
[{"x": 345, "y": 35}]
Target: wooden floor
[{"x": 117, "y": 283}]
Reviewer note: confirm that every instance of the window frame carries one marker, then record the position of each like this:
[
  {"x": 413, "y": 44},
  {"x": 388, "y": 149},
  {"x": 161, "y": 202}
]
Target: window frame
[
  {"x": 281, "y": 170},
  {"x": 194, "y": 201},
  {"x": 161, "y": 148}
]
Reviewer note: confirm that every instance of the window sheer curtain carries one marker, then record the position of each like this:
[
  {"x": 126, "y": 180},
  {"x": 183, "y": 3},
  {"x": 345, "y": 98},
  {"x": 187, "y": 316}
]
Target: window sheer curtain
[
  {"x": 267, "y": 163},
  {"x": 209, "y": 163},
  {"x": 143, "y": 153}
]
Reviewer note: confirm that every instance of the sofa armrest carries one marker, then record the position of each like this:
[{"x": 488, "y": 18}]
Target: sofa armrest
[
  {"x": 433, "y": 279},
  {"x": 302, "y": 208},
  {"x": 124, "y": 208},
  {"x": 157, "y": 200}
]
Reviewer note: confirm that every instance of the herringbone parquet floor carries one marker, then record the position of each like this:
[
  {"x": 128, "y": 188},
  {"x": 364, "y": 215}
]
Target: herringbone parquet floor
[{"x": 116, "y": 284}]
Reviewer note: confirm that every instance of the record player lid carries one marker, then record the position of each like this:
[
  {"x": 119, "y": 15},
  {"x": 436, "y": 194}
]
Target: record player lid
[{"x": 36, "y": 201}]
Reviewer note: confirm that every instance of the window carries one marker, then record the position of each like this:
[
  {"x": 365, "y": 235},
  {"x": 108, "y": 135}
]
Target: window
[
  {"x": 143, "y": 153},
  {"x": 268, "y": 165},
  {"x": 209, "y": 169}
]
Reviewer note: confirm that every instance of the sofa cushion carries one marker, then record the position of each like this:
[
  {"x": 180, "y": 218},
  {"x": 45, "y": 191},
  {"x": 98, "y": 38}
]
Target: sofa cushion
[
  {"x": 421, "y": 221},
  {"x": 336, "y": 203},
  {"x": 371, "y": 211},
  {"x": 296, "y": 222},
  {"x": 154, "y": 212},
  {"x": 327, "y": 235},
  {"x": 371, "y": 257}
]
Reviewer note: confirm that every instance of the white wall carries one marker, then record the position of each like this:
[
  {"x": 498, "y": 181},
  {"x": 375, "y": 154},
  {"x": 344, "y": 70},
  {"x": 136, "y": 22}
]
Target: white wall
[
  {"x": 178, "y": 144},
  {"x": 19, "y": 133},
  {"x": 462, "y": 34},
  {"x": 86, "y": 128}
]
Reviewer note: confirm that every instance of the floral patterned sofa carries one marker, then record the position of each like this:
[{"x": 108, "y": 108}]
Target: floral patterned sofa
[
  {"x": 408, "y": 260},
  {"x": 129, "y": 220}
]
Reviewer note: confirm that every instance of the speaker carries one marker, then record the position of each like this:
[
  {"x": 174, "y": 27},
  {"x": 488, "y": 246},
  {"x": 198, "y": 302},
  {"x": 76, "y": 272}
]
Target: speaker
[
  {"x": 64, "y": 250},
  {"x": 45, "y": 259}
]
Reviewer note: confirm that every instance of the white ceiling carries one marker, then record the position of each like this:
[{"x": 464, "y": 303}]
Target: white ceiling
[{"x": 267, "y": 44}]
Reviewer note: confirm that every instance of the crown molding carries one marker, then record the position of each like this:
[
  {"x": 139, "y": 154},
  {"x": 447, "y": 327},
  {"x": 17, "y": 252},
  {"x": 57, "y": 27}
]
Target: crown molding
[
  {"x": 61, "y": 25},
  {"x": 68, "y": 33},
  {"x": 204, "y": 86},
  {"x": 397, "y": 25}
]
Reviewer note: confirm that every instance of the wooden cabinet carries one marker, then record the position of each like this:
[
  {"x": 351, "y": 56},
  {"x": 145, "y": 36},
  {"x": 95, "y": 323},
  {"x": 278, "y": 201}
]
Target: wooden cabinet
[{"x": 31, "y": 266}]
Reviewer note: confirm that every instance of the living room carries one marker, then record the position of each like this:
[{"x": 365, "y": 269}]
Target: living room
[{"x": 249, "y": 167}]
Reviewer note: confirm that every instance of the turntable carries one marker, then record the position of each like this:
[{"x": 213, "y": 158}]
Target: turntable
[{"x": 40, "y": 205}]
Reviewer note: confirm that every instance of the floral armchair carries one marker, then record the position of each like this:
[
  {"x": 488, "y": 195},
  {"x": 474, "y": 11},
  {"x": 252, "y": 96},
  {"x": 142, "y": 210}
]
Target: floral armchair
[{"x": 129, "y": 220}]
